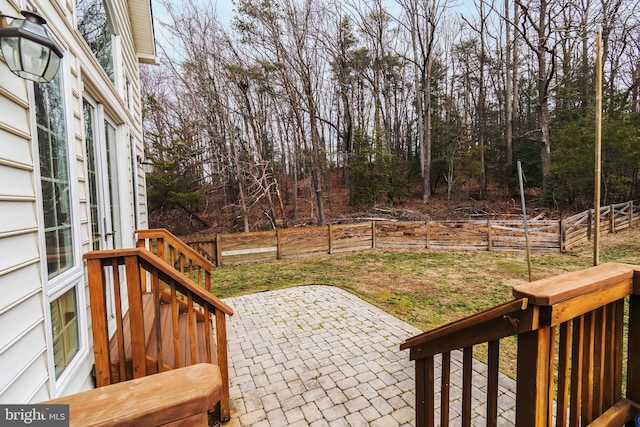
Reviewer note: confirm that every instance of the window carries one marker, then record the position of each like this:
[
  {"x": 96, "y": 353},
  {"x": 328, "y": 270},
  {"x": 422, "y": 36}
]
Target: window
[
  {"x": 114, "y": 192},
  {"x": 54, "y": 176},
  {"x": 92, "y": 166},
  {"x": 58, "y": 239},
  {"x": 64, "y": 325},
  {"x": 94, "y": 23}
]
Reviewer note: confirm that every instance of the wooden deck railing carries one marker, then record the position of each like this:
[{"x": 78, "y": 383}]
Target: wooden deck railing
[
  {"x": 177, "y": 254},
  {"x": 571, "y": 334},
  {"x": 162, "y": 320}
]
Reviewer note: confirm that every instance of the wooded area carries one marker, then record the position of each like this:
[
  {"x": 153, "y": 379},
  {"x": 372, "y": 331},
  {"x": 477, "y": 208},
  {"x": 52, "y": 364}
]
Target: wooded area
[
  {"x": 490, "y": 235},
  {"x": 249, "y": 120}
]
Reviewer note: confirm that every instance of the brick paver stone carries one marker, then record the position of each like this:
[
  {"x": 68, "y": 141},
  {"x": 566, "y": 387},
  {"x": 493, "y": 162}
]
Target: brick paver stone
[{"x": 320, "y": 356}]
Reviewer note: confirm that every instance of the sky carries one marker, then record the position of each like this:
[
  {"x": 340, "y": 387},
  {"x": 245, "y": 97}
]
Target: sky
[
  {"x": 224, "y": 10},
  {"x": 225, "y": 13}
]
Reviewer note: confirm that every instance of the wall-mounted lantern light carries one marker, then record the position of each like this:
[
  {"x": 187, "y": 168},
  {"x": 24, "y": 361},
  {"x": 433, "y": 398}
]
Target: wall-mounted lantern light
[
  {"x": 146, "y": 164},
  {"x": 27, "y": 48}
]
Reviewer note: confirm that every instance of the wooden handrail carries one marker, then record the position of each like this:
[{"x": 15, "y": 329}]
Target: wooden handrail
[
  {"x": 570, "y": 331},
  {"x": 173, "y": 250},
  {"x": 172, "y": 273},
  {"x": 499, "y": 322},
  {"x": 134, "y": 355},
  {"x": 161, "y": 233},
  {"x": 562, "y": 288}
]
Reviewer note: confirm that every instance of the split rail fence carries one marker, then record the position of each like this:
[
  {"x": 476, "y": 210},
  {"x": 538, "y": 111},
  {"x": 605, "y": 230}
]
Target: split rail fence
[{"x": 489, "y": 235}]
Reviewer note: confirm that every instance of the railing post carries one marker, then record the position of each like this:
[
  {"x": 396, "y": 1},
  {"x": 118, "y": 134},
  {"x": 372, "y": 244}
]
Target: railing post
[
  {"x": 136, "y": 317},
  {"x": 424, "y": 392},
  {"x": 223, "y": 364},
  {"x": 532, "y": 392},
  {"x": 99, "y": 319}
]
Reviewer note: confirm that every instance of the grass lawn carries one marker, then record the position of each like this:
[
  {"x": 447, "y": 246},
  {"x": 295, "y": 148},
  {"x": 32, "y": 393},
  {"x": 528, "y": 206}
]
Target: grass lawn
[{"x": 425, "y": 288}]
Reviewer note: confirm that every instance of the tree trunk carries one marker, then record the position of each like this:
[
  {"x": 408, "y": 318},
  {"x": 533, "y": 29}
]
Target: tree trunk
[{"x": 508, "y": 100}]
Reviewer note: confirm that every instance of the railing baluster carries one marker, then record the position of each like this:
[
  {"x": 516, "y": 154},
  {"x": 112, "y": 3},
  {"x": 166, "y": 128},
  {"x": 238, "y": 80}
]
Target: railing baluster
[
  {"x": 550, "y": 368},
  {"x": 192, "y": 327},
  {"x": 115, "y": 273},
  {"x": 577, "y": 344},
  {"x": 493, "y": 365},
  {"x": 157, "y": 319},
  {"x": 175, "y": 312},
  {"x": 598, "y": 360},
  {"x": 633, "y": 367},
  {"x": 207, "y": 334},
  {"x": 564, "y": 352},
  {"x": 467, "y": 377},
  {"x": 587, "y": 367},
  {"x": 445, "y": 388},
  {"x": 619, "y": 336},
  {"x": 609, "y": 346}
]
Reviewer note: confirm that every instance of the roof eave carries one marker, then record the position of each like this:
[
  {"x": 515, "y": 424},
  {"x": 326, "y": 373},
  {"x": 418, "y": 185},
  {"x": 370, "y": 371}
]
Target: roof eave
[{"x": 141, "y": 17}]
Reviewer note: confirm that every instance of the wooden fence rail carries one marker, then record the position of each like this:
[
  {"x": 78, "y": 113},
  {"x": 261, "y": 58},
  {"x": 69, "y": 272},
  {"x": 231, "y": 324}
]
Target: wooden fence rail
[{"x": 488, "y": 235}]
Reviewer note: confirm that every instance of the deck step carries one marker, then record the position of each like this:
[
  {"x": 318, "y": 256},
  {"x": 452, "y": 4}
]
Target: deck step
[{"x": 166, "y": 348}]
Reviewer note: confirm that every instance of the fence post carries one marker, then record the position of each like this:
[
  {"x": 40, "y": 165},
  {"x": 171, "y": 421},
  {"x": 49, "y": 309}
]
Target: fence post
[
  {"x": 278, "y": 248},
  {"x": 630, "y": 213},
  {"x": 562, "y": 236},
  {"x": 330, "y": 228},
  {"x": 219, "y": 250},
  {"x": 589, "y": 221},
  {"x": 373, "y": 234},
  {"x": 489, "y": 236},
  {"x": 428, "y": 234},
  {"x": 612, "y": 219}
]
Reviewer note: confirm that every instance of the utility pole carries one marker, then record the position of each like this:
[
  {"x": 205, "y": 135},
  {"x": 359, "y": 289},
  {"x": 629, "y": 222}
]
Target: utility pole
[{"x": 596, "y": 198}]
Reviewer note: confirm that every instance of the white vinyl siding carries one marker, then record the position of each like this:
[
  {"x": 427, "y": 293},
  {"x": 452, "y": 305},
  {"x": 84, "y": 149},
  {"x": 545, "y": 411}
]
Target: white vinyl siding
[
  {"x": 28, "y": 276},
  {"x": 20, "y": 249},
  {"x": 23, "y": 348},
  {"x": 23, "y": 218},
  {"x": 26, "y": 357}
]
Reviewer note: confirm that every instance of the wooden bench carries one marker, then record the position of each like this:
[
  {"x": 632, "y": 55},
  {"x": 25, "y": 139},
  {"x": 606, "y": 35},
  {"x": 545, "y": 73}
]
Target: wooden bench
[{"x": 180, "y": 397}]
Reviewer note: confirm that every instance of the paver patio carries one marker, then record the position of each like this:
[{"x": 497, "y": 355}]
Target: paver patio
[{"x": 319, "y": 356}]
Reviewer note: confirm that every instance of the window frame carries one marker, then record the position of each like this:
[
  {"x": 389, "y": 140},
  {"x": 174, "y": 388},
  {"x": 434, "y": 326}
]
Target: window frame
[
  {"x": 73, "y": 277},
  {"x": 112, "y": 24}
]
